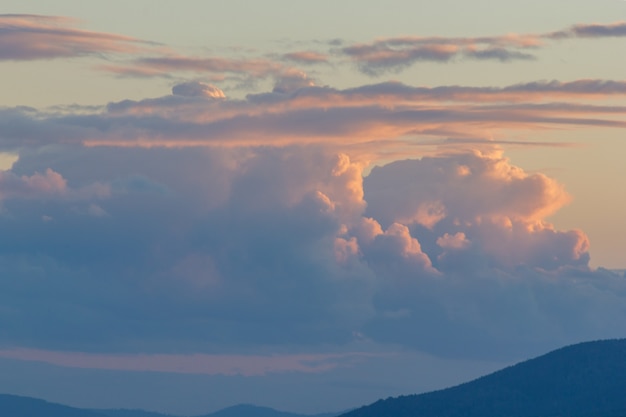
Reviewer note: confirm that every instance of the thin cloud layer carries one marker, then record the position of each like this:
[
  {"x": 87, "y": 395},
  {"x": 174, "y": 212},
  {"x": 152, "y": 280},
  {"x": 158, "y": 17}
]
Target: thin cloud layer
[
  {"x": 31, "y": 37},
  {"x": 613, "y": 30},
  {"x": 298, "y": 112},
  {"x": 306, "y": 57},
  {"x": 196, "y": 364},
  {"x": 395, "y": 54},
  {"x": 398, "y": 53}
]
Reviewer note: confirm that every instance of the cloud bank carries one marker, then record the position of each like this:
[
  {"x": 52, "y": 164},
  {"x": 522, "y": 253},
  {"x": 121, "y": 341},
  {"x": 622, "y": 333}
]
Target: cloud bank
[
  {"x": 304, "y": 219},
  {"x": 233, "y": 249}
]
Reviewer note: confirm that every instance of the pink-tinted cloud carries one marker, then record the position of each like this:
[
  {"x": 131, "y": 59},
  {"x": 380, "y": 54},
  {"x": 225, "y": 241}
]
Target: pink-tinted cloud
[
  {"x": 30, "y": 37},
  {"x": 50, "y": 185},
  {"x": 494, "y": 187},
  {"x": 202, "y": 364},
  {"x": 296, "y": 111},
  {"x": 278, "y": 248},
  {"x": 167, "y": 65},
  {"x": 306, "y": 57},
  {"x": 197, "y": 89},
  {"x": 37, "y": 185}
]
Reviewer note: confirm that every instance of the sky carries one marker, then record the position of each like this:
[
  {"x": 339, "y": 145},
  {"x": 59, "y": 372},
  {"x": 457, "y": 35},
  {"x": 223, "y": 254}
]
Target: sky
[{"x": 307, "y": 206}]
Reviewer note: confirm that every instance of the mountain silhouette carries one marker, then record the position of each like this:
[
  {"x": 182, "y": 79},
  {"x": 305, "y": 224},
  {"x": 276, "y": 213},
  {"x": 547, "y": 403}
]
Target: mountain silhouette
[
  {"x": 247, "y": 410},
  {"x": 241, "y": 410},
  {"x": 130, "y": 413},
  {"x": 16, "y": 406},
  {"x": 583, "y": 380}
]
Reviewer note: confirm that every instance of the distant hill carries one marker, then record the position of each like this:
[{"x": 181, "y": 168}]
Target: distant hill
[
  {"x": 16, "y": 406},
  {"x": 130, "y": 413},
  {"x": 242, "y": 410},
  {"x": 246, "y": 410},
  {"x": 583, "y": 380}
]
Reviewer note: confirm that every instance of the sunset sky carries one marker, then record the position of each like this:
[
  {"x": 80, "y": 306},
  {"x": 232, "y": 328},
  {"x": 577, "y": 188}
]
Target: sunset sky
[{"x": 308, "y": 206}]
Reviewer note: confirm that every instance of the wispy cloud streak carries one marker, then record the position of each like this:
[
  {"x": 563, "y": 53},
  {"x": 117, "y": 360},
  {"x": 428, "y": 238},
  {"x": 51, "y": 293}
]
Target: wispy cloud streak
[
  {"x": 394, "y": 54},
  {"x": 31, "y": 37},
  {"x": 201, "y": 364},
  {"x": 199, "y": 114},
  {"x": 612, "y": 30}
]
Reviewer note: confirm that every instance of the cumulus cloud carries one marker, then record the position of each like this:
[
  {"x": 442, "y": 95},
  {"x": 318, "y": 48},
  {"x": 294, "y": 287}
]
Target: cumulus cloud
[
  {"x": 477, "y": 186},
  {"x": 456, "y": 241},
  {"x": 49, "y": 184},
  {"x": 225, "y": 249},
  {"x": 197, "y": 89},
  {"x": 292, "y": 81},
  {"x": 305, "y": 216}
]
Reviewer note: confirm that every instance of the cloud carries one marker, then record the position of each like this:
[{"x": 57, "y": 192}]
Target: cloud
[
  {"x": 292, "y": 81},
  {"x": 373, "y": 59},
  {"x": 197, "y": 89},
  {"x": 487, "y": 181},
  {"x": 617, "y": 29},
  {"x": 306, "y": 57},
  {"x": 291, "y": 249},
  {"x": 499, "y": 54},
  {"x": 244, "y": 70},
  {"x": 31, "y": 37},
  {"x": 398, "y": 53},
  {"x": 198, "y": 364},
  {"x": 298, "y": 112},
  {"x": 301, "y": 219},
  {"x": 50, "y": 183}
]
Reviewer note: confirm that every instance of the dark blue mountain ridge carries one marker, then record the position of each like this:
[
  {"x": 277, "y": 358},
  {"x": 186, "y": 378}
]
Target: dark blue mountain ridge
[
  {"x": 248, "y": 410},
  {"x": 17, "y": 406},
  {"x": 123, "y": 412},
  {"x": 582, "y": 380},
  {"x": 241, "y": 410}
]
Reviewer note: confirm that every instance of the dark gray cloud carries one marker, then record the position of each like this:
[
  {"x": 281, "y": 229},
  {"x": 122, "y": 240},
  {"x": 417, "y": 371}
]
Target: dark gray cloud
[
  {"x": 395, "y": 54},
  {"x": 611, "y": 30},
  {"x": 378, "y": 58},
  {"x": 500, "y": 54}
]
